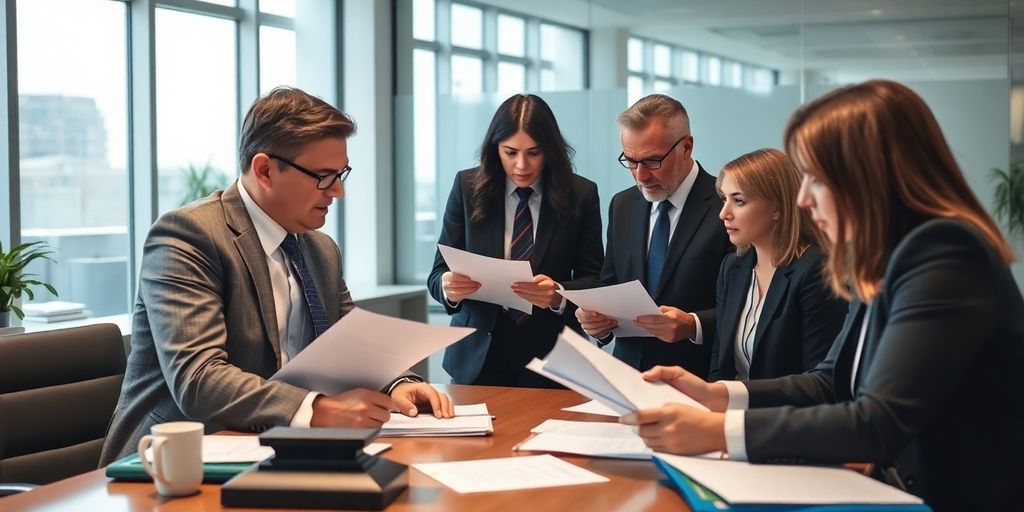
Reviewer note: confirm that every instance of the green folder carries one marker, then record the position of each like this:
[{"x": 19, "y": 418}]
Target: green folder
[{"x": 129, "y": 469}]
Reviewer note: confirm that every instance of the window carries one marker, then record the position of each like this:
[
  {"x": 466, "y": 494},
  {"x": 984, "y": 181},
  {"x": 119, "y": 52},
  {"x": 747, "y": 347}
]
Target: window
[
  {"x": 512, "y": 78},
  {"x": 467, "y": 75},
  {"x": 277, "y": 58},
  {"x": 423, "y": 20},
  {"x": 73, "y": 129},
  {"x": 511, "y": 35},
  {"x": 284, "y": 8},
  {"x": 562, "y": 52},
  {"x": 196, "y": 105},
  {"x": 467, "y": 26}
]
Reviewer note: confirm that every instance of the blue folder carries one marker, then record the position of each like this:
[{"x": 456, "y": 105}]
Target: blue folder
[{"x": 701, "y": 499}]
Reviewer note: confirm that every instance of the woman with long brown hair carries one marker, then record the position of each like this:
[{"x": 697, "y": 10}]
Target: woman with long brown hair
[
  {"x": 776, "y": 316},
  {"x": 925, "y": 378},
  {"x": 524, "y": 201}
]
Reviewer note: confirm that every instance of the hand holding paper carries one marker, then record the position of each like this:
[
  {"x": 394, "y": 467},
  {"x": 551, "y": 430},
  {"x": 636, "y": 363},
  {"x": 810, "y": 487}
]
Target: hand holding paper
[
  {"x": 622, "y": 302},
  {"x": 495, "y": 276}
]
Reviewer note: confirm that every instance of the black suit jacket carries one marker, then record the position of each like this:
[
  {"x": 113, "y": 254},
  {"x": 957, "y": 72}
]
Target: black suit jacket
[
  {"x": 569, "y": 252},
  {"x": 695, "y": 253},
  {"x": 939, "y": 398},
  {"x": 798, "y": 323}
]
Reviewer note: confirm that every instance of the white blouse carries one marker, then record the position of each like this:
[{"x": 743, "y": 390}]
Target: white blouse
[{"x": 744, "y": 350}]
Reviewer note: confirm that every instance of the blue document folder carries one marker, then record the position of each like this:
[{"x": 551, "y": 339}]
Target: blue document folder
[{"x": 701, "y": 499}]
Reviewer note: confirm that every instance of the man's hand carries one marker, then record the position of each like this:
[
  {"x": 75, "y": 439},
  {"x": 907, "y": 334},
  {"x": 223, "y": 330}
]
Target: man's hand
[
  {"x": 541, "y": 292},
  {"x": 672, "y": 325},
  {"x": 457, "y": 286},
  {"x": 358, "y": 408},
  {"x": 679, "y": 429},
  {"x": 595, "y": 324},
  {"x": 712, "y": 395},
  {"x": 409, "y": 395}
]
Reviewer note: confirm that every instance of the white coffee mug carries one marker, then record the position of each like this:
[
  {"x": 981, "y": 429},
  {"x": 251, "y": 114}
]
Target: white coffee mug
[{"x": 177, "y": 465}]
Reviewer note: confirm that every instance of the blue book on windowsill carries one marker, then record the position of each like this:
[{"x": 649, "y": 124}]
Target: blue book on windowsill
[
  {"x": 129, "y": 469},
  {"x": 702, "y": 499}
]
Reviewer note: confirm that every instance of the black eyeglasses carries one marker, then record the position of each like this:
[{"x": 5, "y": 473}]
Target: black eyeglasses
[
  {"x": 650, "y": 163},
  {"x": 323, "y": 181}
]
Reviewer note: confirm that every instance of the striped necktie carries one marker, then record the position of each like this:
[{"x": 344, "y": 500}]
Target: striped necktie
[{"x": 522, "y": 239}]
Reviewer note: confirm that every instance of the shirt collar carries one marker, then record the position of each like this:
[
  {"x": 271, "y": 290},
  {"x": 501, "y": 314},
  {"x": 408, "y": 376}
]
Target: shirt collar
[
  {"x": 270, "y": 233},
  {"x": 679, "y": 196},
  {"x": 510, "y": 186}
]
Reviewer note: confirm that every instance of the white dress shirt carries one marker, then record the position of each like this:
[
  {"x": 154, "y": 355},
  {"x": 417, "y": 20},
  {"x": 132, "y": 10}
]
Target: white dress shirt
[
  {"x": 294, "y": 324},
  {"x": 743, "y": 353}
]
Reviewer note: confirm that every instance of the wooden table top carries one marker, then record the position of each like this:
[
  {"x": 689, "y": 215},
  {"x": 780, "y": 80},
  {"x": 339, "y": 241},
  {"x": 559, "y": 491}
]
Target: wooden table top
[{"x": 633, "y": 486}]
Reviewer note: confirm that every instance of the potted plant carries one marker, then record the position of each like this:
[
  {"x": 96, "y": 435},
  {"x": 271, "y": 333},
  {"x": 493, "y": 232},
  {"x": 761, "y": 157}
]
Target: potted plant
[
  {"x": 1009, "y": 198},
  {"x": 14, "y": 281},
  {"x": 201, "y": 182}
]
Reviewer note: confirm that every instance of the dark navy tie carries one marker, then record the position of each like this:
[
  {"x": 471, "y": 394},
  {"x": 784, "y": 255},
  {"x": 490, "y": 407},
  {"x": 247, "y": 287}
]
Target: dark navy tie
[
  {"x": 290, "y": 246},
  {"x": 658, "y": 249},
  {"x": 522, "y": 239}
]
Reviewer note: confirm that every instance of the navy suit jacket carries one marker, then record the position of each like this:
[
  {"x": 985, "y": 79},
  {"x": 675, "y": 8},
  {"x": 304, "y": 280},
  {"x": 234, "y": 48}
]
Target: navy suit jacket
[
  {"x": 568, "y": 252},
  {"x": 695, "y": 253},
  {"x": 799, "y": 321},
  {"x": 938, "y": 398}
]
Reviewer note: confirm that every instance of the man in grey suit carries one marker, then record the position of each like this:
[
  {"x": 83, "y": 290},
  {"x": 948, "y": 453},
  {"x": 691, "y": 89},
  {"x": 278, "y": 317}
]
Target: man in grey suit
[{"x": 235, "y": 284}]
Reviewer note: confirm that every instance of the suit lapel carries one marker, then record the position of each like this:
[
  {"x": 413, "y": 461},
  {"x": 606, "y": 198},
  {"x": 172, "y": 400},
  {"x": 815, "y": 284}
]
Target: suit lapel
[
  {"x": 729, "y": 315},
  {"x": 545, "y": 232},
  {"x": 640, "y": 219},
  {"x": 690, "y": 218},
  {"x": 492, "y": 232},
  {"x": 773, "y": 299},
  {"x": 249, "y": 248}
]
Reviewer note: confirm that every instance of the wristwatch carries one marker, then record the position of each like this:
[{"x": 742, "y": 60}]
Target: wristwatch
[{"x": 404, "y": 378}]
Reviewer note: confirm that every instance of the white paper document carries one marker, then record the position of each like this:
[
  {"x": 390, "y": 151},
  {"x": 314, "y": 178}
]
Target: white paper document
[
  {"x": 495, "y": 276},
  {"x": 469, "y": 420},
  {"x": 590, "y": 438},
  {"x": 592, "y": 407},
  {"x": 623, "y": 302},
  {"x": 365, "y": 350},
  {"x": 582, "y": 367},
  {"x": 508, "y": 474},
  {"x": 745, "y": 483},
  {"x": 228, "y": 449}
]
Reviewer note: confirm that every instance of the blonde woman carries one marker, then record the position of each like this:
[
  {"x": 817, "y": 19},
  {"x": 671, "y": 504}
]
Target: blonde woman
[{"x": 776, "y": 315}]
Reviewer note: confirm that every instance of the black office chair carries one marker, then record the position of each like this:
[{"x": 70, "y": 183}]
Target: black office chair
[{"x": 58, "y": 390}]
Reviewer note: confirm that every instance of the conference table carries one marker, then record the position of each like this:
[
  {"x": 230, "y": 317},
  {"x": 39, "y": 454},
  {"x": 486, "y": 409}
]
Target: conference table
[{"x": 634, "y": 485}]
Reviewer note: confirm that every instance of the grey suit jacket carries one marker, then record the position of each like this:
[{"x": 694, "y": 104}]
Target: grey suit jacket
[{"x": 204, "y": 333}]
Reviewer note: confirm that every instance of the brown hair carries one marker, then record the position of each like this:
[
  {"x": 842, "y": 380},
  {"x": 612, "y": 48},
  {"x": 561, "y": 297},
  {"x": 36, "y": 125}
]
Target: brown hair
[
  {"x": 531, "y": 114},
  {"x": 656, "y": 107},
  {"x": 770, "y": 175},
  {"x": 879, "y": 149},
  {"x": 285, "y": 119}
]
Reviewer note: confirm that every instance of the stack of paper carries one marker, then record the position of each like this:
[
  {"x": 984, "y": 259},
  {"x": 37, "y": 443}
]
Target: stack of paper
[
  {"x": 469, "y": 420},
  {"x": 54, "y": 311},
  {"x": 579, "y": 365},
  {"x": 722, "y": 484},
  {"x": 590, "y": 438},
  {"x": 508, "y": 474},
  {"x": 495, "y": 276},
  {"x": 592, "y": 407}
]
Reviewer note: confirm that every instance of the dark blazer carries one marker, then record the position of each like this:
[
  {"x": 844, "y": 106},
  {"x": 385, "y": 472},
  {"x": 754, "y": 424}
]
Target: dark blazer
[
  {"x": 798, "y": 323},
  {"x": 695, "y": 253},
  {"x": 204, "y": 333},
  {"x": 939, "y": 398},
  {"x": 568, "y": 252}
]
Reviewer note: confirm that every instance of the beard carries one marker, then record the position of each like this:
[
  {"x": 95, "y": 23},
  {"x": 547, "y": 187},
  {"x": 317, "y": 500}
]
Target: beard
[{"x": 658, "y": 193}]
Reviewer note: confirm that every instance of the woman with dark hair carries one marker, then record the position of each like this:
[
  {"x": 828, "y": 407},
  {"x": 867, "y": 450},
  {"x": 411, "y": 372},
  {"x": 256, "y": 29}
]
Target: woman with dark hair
[
  {"x": 776, "y": 315},
  {"x": 523, "y": 202},
  {"x": 925, "y": 378}
]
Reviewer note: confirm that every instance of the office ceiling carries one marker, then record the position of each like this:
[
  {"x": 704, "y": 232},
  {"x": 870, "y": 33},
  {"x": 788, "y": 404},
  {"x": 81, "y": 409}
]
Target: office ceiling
[{"x": 845, "y": 38}]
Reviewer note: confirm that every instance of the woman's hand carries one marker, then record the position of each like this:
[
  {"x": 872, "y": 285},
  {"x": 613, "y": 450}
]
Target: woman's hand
[
  {"x": 712, "y": 395},
  {"x": 672, "y": 325},
  {"x": 541, "y": 292},
  {"x": 595, "y": 324},
  {"x": 457, "y": 286},
  {"x": 679, "y": 429}
]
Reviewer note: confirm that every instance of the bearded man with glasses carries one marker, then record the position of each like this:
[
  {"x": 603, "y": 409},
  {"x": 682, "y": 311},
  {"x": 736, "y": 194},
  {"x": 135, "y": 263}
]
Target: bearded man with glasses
[
  {"x": 236, "y": 284},
  {"x": 666, "y": 233}
]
